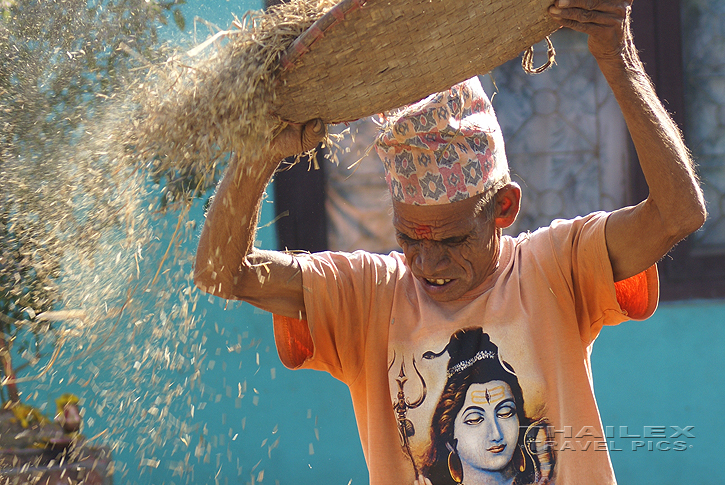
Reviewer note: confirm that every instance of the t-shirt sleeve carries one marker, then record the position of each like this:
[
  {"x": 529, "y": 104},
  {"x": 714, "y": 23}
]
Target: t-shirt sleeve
[
  {"x": 344, "y": 294},
  {"x": 580, "y": 250}
]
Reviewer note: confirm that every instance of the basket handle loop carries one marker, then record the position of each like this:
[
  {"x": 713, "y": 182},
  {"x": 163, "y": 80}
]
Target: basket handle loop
[{"x": 527, "y": 62}]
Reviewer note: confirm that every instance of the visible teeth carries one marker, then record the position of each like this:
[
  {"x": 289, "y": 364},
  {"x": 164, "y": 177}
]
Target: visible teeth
[{"x": 438, "y": 281}]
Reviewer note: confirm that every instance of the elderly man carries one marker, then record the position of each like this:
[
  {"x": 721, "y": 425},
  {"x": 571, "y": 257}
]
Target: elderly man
[{"x": 467, "y": 357}]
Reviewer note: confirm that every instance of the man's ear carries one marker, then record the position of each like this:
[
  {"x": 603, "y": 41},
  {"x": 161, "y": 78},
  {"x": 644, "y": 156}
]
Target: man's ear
[{"x": 508, "y": 203}]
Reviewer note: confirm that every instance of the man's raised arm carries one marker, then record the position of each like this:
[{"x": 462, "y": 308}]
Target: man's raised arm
[
  {"x": 227, "y": 264},
  {"x": 637, "y": 237}
]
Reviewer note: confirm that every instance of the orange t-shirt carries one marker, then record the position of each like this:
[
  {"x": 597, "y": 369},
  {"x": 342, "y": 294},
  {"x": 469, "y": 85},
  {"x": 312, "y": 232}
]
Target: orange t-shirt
[{"x": 373, "y": 327}]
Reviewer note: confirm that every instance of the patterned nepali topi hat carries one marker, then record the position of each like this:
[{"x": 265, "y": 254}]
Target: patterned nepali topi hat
[{"x": 444, "y": 148}]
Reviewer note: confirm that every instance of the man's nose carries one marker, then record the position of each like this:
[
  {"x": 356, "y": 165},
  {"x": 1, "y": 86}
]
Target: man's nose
[{"x": 432, "y": 257}]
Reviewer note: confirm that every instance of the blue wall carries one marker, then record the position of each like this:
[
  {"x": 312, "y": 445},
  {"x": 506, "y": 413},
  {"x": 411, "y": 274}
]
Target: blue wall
[
  {"x": 309, "y": 413},
  {"x": 219, "y": 14},
  {"x": 297, "y": 427},
  {"x": 666, "y": 371}
]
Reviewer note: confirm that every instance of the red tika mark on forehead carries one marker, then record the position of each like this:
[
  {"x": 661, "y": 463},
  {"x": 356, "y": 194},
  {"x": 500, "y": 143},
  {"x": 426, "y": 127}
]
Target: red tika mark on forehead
[{"x": 423, "y": 231}]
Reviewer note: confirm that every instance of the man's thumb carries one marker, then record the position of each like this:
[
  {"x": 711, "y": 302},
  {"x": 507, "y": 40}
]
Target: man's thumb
[{"x": 313, "y": 133}]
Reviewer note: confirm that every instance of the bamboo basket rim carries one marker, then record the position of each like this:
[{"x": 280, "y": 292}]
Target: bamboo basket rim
[{"x": 364, "y": 57}]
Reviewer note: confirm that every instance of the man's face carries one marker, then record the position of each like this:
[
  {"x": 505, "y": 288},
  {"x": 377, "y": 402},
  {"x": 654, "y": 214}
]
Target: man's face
[{"x": 449, "y": 249}]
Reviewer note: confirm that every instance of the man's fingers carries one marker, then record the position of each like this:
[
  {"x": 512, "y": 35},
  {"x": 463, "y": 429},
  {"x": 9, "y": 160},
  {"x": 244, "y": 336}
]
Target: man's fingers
[
  {"x": 313, "y": 132},
  {"x": 582, "y": 16},
  {"x": 605, "y": 21},
  {"x": 617, "y": 7},
  {"x": 297, "y": 138},
  {"x": 589, "y": 29},
  {"x": 317, "y": 126}
]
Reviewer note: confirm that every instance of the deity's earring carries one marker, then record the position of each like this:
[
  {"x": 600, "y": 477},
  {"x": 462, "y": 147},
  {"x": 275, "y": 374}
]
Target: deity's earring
[
  {"x": 455, "y": 467},
  {"x": 520, "y": 458}
]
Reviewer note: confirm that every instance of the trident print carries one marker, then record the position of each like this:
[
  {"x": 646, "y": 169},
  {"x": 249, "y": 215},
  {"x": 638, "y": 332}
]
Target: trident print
[{"x": 401, "y": 405}]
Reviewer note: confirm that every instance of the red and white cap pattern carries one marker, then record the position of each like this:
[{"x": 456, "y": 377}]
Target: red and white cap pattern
[{"x": 444, "y": 148}]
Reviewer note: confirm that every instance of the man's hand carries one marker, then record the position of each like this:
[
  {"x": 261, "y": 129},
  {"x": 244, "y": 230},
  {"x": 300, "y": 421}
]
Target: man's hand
[
  {"x": 297, "y": 138},
  {"x": 605, "y": 21}
]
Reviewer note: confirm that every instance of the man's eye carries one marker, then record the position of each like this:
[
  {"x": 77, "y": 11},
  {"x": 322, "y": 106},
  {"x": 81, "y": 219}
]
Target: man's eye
[
  {"x": 404, "y": 238},
  {"x": 455, "y": 240}
]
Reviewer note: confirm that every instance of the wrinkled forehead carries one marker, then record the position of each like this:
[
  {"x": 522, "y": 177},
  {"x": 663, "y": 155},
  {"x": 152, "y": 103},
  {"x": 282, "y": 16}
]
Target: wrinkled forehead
[{"x": 434, "y": 221}]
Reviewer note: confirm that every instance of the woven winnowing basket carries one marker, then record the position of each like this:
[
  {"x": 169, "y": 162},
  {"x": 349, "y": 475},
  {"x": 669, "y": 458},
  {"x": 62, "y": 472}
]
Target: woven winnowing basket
[{"x": 363, "y": 58}]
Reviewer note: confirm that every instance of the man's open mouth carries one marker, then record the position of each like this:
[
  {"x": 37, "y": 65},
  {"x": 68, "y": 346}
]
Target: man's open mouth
[{"x": 437, "y": 281}]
